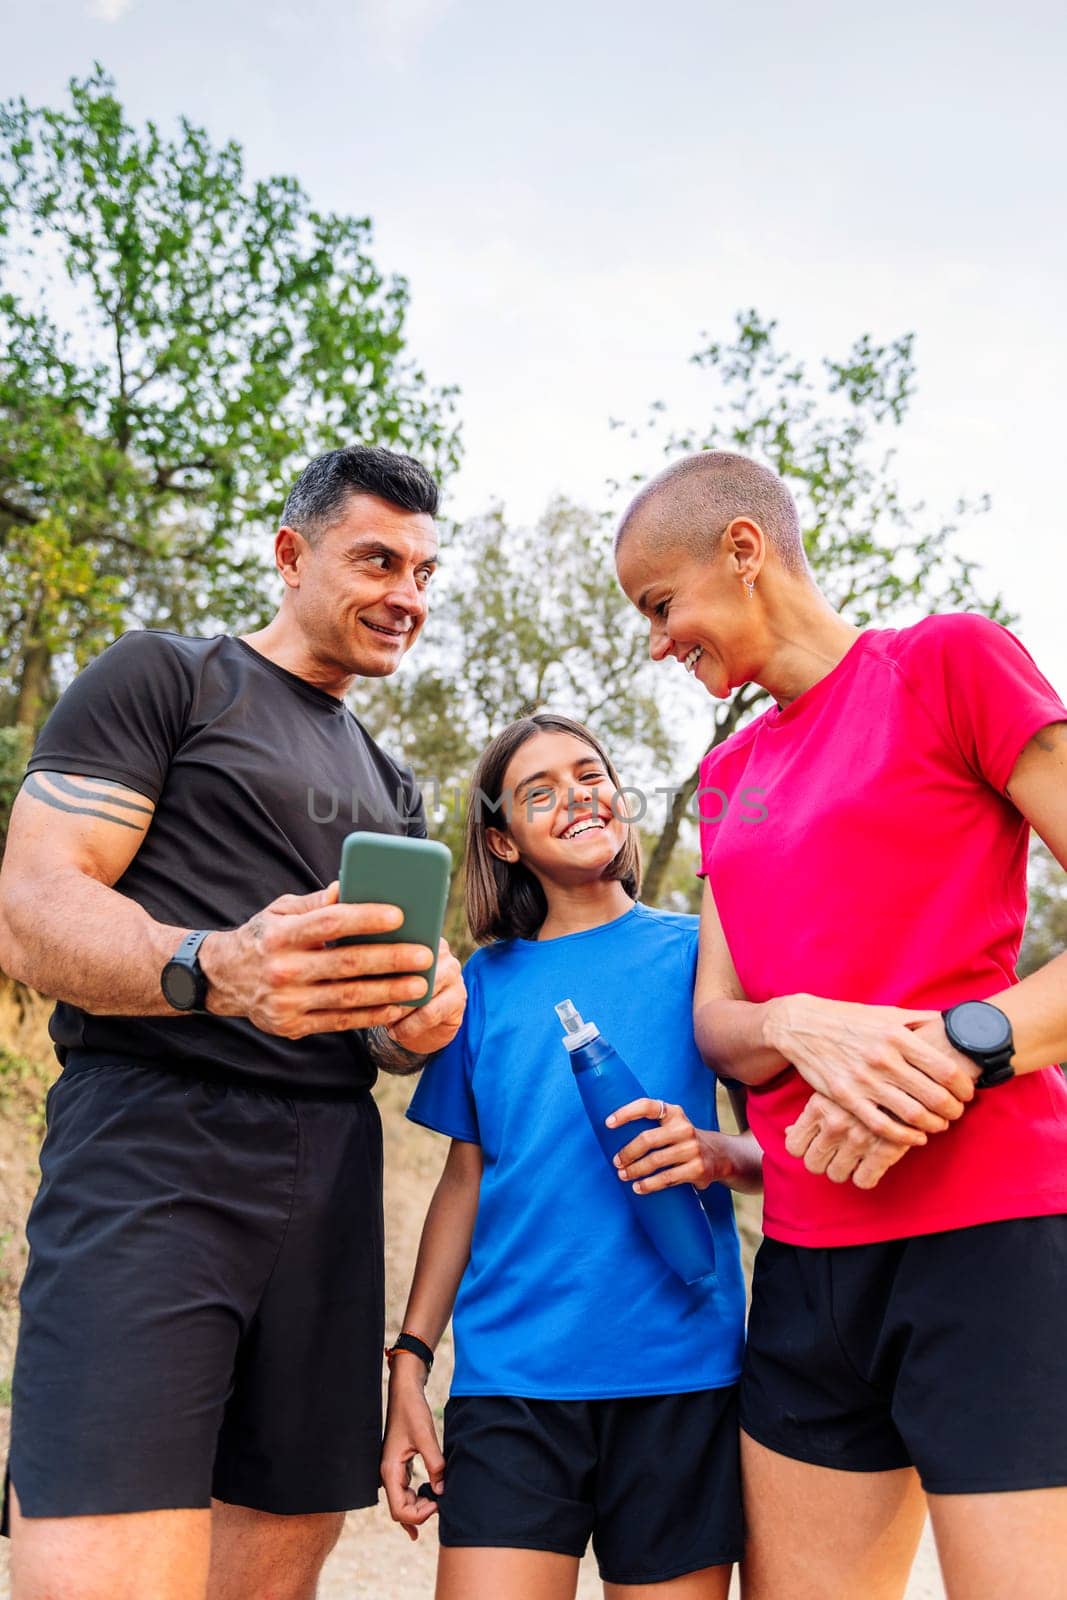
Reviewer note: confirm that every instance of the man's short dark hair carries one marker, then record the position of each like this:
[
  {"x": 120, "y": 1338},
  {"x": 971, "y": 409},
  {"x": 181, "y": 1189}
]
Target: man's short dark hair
[{"x": 318, "y": 498}]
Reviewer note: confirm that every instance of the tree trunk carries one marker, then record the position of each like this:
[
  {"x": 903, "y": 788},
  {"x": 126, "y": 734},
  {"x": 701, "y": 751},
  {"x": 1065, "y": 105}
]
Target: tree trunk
[
  {"x": 34, "y": 682},
  {"x": 660, "y": 860}
]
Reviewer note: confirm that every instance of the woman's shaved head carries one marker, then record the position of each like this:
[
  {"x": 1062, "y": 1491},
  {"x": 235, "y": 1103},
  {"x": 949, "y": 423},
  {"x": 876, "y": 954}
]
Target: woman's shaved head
[{"x": 695, "y": 500}]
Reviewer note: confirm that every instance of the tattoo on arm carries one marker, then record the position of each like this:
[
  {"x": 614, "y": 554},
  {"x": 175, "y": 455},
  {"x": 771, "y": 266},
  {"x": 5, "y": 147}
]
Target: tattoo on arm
[
  {"x": 89, "y": 797},
  {"x": 1050, "y": 737}
]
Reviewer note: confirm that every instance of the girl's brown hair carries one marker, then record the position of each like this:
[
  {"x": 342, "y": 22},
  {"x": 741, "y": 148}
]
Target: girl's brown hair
[{"x": 504, "y": 899}]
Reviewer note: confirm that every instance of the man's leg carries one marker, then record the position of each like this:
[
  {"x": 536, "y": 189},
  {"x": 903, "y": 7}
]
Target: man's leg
[
  {"x": 159, "y": 1553},
  {"x": 816, "y": 1533},
  {"x": 258, "y": 1556},
  {"x": 996, "y": 1545}
]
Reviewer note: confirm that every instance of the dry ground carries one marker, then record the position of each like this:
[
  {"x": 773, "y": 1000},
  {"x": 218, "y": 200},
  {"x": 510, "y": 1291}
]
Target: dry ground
[{"x": 374, "y": 1560}]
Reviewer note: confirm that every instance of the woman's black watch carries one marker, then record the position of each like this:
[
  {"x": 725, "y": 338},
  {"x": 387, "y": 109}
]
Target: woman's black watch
[{"x": 982, "y": 1032}]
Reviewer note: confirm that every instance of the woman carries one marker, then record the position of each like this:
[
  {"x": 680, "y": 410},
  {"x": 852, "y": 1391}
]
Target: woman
[{"x": 909, "y": 1302}]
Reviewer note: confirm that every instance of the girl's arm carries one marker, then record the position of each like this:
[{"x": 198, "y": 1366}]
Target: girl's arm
[
  {"x": 676, "y": 1152},
  {"x": 444, "y": 1250}
]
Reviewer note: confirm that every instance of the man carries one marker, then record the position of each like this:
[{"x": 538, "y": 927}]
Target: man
[{"x": 197, "y": 1385}]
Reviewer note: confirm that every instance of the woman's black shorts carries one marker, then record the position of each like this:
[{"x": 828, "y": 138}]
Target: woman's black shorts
[
  {"x": 946, "y": 1352},
  {"x": 653, "y": 1479},
  {"x": 202, "y": 1312}
]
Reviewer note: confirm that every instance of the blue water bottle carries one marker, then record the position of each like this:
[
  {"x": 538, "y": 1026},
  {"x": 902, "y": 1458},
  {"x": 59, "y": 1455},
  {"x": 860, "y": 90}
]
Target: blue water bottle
[{"x": 674, "y": 1219}]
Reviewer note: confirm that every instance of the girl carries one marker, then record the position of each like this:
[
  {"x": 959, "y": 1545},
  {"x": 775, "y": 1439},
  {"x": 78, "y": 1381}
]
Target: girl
[{"x": 594, "y": 1392}]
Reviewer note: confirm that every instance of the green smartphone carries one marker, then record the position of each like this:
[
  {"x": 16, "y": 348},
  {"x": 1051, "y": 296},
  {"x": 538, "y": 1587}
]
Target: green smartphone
[{"x": 386, "y": 869}]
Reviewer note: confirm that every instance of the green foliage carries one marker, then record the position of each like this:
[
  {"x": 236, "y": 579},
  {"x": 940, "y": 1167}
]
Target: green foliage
[
  {"x": 216, "y": 332},
  {"x": 23, "y": 1084},
  {"x": 15, "y": 745},
  {"x": 1046, "y": 923},
  {"x": 873, "y": 554},
  {"x": 877, "y": 558}
]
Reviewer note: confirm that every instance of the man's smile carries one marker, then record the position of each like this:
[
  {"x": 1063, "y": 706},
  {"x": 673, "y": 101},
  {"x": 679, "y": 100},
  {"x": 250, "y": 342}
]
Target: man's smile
[{"x": 387, "y": 633}]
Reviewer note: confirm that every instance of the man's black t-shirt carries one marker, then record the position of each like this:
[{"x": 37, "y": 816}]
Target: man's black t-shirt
[{"x": 257, "y": 777}]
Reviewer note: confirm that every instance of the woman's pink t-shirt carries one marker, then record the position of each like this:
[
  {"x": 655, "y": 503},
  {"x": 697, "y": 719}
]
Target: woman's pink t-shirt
[{"x": 865, "y": 851}]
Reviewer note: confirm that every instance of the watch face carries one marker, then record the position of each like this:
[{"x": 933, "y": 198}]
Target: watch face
[
  {"x": 179, "y": 986},
  {"x": 979, "y": 1026}
]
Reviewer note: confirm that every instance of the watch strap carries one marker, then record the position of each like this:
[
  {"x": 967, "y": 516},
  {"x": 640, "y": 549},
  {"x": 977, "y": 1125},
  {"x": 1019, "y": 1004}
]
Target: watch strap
[
  {"x": 997, "y": 1070},
  {"x": 186, "y": 951},
  {"x": 415, "y": 1347}
]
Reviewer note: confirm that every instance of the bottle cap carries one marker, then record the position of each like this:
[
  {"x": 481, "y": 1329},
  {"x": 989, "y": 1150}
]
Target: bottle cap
[{"x": 576, "y": 1032}]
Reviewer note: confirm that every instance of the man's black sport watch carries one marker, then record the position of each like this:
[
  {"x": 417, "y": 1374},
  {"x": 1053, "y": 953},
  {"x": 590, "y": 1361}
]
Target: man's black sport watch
[
  {"x": 182, "y": 979},
  {"x": 982, "y": 1031}
]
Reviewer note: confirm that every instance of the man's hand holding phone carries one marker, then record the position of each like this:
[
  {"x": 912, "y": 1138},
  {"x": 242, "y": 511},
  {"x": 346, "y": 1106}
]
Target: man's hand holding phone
[
  {"x": 283, "y": 971},
  {"x": 435, "y": 1024}
]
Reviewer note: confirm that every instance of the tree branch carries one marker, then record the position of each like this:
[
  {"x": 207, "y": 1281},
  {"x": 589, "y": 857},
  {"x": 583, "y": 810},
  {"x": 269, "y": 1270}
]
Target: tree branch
[{"x": 17, "y": 513}]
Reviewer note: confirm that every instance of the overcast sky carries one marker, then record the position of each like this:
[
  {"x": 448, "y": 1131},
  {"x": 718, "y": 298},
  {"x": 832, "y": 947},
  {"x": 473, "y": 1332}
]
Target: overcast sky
[{"x": 576, "y": 190}]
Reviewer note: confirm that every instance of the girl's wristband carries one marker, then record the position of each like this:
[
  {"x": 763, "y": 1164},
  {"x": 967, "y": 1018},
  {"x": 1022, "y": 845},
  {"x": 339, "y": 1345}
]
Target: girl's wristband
[{"x": 416, "y": 1347}]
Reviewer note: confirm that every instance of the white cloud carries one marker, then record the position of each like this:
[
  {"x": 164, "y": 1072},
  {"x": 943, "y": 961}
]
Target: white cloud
[
  {"x": 394, "y": 28},
  {"x": 108, "y": 10}
]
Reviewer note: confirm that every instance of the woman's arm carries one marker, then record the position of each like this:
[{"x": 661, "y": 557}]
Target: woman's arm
[
  {"x": 830, "y": 1141},
  {"x": 444, "y": 1251},
  {"x": 870, "y": 1060}
]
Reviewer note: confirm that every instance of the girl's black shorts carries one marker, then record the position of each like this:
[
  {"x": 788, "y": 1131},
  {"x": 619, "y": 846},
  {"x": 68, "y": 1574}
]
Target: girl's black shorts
[
  {"x": 202, "y": 1313},
  {"x": 654, "y": 1480},
  {"x": 946, "y": 1352}
]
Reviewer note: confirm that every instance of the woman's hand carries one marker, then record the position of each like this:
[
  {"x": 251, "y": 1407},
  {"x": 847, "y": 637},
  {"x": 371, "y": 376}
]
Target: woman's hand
[
  {"x": 410, "y": 1432},
  {"x": 832, "y": 1141},
  {"x": 675, "y": 1152},
  {"x": 872, "y": 1061}
]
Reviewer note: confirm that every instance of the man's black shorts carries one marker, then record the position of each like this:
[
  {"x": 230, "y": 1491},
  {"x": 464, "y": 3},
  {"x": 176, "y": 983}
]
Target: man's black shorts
[
  {"x": 654, "y": 1480},
  {"x": 946, "y": 1352},
  {"x": 202, "y": 1312}
]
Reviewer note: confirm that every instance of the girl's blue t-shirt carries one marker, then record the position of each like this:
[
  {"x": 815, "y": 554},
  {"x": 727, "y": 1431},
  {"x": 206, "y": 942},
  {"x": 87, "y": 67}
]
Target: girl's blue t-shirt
[{"x": 565, "y": 1297}]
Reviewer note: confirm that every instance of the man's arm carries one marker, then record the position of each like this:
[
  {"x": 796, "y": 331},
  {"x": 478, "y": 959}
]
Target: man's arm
[{"x": 65, "y": 930}]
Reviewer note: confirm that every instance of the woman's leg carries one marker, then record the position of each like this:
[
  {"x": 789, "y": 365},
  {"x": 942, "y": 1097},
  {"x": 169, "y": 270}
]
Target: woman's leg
[
  {"x": 713, "y": 1583},
  {"x": 479, "y": 1573},
  {"x": 1007, "y": 1544},
  {"x": 816, "y": 1533}
]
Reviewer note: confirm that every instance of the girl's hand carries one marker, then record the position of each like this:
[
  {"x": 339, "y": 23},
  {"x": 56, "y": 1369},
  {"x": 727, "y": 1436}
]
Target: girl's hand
[
  {"x": 673, "y": 1152},
  {"x": 409, "y": 1432},
  {"x": 872, "y": 1061}
]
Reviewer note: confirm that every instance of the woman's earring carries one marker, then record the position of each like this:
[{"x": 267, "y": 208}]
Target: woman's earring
[{"x": 751, "y": 587}]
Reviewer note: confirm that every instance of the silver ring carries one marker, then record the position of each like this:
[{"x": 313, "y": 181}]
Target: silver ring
[{"x": 662, "y": 1117}]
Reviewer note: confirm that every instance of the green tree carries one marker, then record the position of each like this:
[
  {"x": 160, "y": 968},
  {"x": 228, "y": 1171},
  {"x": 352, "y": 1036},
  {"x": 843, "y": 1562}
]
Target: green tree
[
  {"x": 1046, "y": 924},
  {"x": 874, "y": 555},
  {"x": 176, "y": 338}
]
